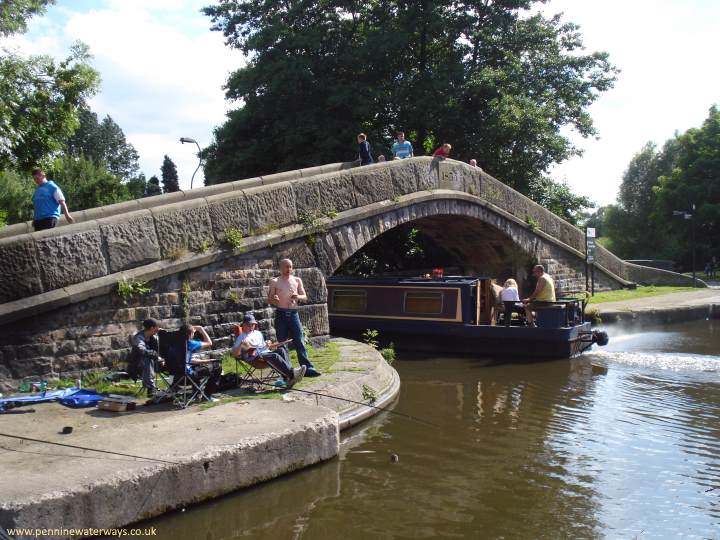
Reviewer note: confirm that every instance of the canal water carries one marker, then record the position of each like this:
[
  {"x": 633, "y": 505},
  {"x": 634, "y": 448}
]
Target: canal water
[{"x": 622, "y": 442}]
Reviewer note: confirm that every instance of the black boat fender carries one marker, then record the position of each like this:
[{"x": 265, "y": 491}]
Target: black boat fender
[{"x": 600, "y": 337}]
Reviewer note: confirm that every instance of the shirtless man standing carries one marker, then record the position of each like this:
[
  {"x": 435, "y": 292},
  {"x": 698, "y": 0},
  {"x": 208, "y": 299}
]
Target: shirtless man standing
[{"x": 286, "y": 291}]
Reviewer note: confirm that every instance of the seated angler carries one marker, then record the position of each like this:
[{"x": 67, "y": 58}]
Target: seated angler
[
  {"x": 250, "y": 344},
  {"x": 145, "y": 356}
]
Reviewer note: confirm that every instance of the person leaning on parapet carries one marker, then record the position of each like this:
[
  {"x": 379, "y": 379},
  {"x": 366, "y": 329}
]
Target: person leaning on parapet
[
  {"x": 443, "y": 151},
  {"x": 145, "y": 356},
  {"x": 544, "y": 292},
  {"x": 286, "y": 291},
  {"x": 401, "y": 148},
  {"x": 47, "y": 200},
  {"x": 364, "y": 151},
  {"x": 250, "y": 345}
]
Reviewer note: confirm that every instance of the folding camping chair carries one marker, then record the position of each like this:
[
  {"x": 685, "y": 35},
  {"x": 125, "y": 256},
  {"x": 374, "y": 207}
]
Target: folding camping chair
[
  {"x": 189, "y": 380},
  {"x": 256, "y": 374}
]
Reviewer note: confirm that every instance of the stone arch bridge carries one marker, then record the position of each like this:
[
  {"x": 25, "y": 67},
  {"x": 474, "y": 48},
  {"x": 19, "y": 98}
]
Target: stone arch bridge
[{"x": 60, "y": 312}]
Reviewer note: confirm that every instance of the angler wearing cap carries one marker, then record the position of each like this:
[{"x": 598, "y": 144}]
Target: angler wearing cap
[{"x": 251, "y": 344}]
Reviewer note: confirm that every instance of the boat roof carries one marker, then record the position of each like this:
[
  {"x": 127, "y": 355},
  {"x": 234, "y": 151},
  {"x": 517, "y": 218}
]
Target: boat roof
[{"x": 404, "y": 280}]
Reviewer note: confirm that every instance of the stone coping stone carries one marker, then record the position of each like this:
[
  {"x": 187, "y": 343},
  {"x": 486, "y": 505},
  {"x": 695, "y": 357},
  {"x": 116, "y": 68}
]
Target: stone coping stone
[{"x": 212, "y": 451}]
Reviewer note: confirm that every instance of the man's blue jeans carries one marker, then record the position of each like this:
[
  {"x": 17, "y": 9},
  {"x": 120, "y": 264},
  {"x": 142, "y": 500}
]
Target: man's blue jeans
[{"x": 287, "y": 325}]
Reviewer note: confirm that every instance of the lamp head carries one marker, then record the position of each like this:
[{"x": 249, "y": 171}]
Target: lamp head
[{"x": 187, "y": 140}]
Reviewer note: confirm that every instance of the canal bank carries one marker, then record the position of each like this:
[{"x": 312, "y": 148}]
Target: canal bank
[
  {"x": 185, "y": 456},
  {"x": 668, "y": 308}
]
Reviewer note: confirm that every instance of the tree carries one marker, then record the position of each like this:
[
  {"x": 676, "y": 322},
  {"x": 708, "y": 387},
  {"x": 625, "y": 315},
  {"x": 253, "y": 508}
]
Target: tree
[
  {"x": 497, "y": 83},
  {"x": 104, "y": 142},
  {"x": 87, "y": 184},
  {"x": 559, "y": 199},
  {"x": 169, "y": 175},
  {"x": 15, "y": 198},
  {"x": 137, "y": 186},
  {"x": 153, "y": 187},
  {"x": 40, "y": 104},
  {"x": 14, "y": 14},
  {"x": 693, "y": 182}
]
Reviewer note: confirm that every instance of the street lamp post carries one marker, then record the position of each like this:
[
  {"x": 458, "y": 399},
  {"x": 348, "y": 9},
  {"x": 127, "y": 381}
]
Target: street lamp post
[
  {"x": 691, "y": 217},
  {"x": 189, "y": 140}
]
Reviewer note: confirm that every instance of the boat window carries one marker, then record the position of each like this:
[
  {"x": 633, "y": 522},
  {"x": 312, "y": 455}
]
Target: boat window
[
  {"x": 349, "y": 300},
  {"x": 425, "y": 303}
]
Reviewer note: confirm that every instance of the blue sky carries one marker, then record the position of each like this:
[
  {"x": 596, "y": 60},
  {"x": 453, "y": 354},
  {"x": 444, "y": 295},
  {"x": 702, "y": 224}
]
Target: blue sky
[{"x": 163, "y": 71}]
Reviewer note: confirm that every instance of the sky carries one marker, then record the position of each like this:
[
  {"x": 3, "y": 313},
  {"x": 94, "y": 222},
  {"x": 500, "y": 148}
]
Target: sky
[{"x": 163, "y": 70}]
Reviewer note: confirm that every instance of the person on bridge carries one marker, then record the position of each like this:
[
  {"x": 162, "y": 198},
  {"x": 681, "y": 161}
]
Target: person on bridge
[
  {"x": 401, "y": 148},
  {"x": 286, "y": 291},
  {"x": 544, "y": 292},
  {"x": 47, "y": 200},
  {"x": 364, "y": 151},
  {"x": 443, "y": 151}
]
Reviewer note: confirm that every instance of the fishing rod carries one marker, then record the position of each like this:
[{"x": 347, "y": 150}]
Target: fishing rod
[
  {"x": 383, "y": 409},
  {"x": 86, "y": 448}
]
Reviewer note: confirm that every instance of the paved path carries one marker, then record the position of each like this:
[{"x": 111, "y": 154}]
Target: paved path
[{"x": 212, "y": 450}]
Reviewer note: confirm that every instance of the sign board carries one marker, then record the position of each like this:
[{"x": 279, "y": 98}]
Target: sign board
[
  {"x": 590, "y": 232},
  {"x": 590, "y": 249}
]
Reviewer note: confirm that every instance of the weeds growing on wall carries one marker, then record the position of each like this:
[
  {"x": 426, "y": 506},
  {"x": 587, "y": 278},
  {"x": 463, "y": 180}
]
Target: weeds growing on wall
[
  {"x": 234, "y": 239},
  {"x": 129, "y": 288}
]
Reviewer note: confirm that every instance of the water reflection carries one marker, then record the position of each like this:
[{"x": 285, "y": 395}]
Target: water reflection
[{"x": 616, "y": 444}]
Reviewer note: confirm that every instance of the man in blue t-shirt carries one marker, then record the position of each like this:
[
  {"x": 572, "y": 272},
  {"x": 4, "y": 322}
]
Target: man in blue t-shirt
[
  {"x": 48, "y": 199},
  {"x": 194, "y": 345},
  {"x": 402, "y": 149}
]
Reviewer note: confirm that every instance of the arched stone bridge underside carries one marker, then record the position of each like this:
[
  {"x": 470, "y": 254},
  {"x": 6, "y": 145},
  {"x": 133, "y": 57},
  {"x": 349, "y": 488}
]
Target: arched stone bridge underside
[{"x": 60, "y": 312}]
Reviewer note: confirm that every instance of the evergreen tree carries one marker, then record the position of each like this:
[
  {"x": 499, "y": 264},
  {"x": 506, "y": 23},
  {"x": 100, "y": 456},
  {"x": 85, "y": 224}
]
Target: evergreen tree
[
  {"x": 153, "y": 187},
  {"x": 169, "y": 175}
]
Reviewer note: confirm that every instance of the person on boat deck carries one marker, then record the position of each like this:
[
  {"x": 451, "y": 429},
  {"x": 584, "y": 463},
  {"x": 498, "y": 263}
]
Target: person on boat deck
[
  {"x": 510, "y": 299},
  {"x": 251, "y": 345},
  {"x": 497, "y": 304},
  {"x": 544, "y": 292}
]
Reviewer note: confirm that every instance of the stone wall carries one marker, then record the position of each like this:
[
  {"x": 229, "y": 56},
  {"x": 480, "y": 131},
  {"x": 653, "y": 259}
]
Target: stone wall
[{"x": 93, "y": 334}]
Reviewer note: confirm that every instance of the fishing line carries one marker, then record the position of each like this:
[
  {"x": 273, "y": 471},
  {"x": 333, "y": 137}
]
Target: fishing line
[
  {"x": 86, "y": 448},
  {"x": 383, "y": 409}
]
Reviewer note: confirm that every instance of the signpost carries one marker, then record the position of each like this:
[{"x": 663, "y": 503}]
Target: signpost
[{"x": 590, "y": 258}]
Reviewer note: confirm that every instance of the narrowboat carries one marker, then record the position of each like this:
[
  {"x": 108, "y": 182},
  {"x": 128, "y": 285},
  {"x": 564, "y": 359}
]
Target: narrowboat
[{"x": 454, "y": 314}]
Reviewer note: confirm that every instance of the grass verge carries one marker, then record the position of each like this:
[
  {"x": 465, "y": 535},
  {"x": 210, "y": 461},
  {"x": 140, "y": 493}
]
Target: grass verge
[{"x": 640, "y": 292}]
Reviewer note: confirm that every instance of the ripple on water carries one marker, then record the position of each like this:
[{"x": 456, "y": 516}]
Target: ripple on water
[{"x": 659, "y": 360}]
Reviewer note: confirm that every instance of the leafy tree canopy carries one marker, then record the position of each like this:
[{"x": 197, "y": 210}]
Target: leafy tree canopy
[
  {"x": 87, "y": 184},
  {"x": 15, "y": 13},
  {"x": 685, "y": 173},
  {"x": 40, "y": 104},
  {"x": 559, "y": 199},
  {"x": 492, "y": 79},
  {"x": 104, "y": 142}
]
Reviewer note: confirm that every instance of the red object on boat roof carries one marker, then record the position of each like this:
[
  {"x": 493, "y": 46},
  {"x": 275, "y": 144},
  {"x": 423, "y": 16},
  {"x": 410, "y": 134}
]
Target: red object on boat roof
[{"x": 437, "y": 273}]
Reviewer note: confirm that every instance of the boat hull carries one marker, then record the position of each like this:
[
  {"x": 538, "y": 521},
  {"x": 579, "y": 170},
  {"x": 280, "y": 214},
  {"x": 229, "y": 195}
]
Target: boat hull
[{"x": 498, "y": 342}]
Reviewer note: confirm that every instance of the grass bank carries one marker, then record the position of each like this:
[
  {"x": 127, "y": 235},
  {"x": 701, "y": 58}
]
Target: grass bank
[{"x": 635, "y": 294}]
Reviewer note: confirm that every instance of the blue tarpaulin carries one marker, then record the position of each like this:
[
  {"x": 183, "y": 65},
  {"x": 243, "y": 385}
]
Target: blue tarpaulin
[{"x": 70, "y": 397}]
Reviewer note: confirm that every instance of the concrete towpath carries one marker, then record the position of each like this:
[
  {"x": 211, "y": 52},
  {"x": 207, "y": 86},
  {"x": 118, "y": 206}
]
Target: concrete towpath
[
  {"x": 184, "y": 456},
  {"x": 673, "y": 307}
]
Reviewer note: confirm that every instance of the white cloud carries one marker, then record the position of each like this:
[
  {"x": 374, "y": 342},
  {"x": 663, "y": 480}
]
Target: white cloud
[
  {"x": 667, "y": 52},
  {"x": 162, "y": 71}
]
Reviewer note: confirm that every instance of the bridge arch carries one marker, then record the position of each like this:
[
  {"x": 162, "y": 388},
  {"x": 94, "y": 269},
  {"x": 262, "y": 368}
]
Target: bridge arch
[{"x": 60, "y": 312}]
